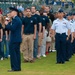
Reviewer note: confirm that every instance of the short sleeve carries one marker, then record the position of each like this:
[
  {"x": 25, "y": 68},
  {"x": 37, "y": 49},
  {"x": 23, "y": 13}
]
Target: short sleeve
[
  {"x": 35, "y": 21},
  {"x": 73, "y": 26},
  {"x": 47, "y": 20},
  {"x": 23, "y": 21},
  {"x": 39, "y": 19},
  {"x": 0, "y": 26},
  {"x": 68, "y": 25},
  {"x": 72, "y": 29},
  {"x": 53, "y": 26}
]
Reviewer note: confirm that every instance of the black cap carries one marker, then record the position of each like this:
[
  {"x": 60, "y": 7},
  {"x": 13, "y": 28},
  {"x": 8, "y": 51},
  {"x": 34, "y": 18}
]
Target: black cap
[
  {"x": 60, "y": 11},
  {"x": 13, "y": 9}
]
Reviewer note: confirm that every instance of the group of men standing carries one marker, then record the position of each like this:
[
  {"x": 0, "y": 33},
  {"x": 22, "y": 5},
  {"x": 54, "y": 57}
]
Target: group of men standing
[
  {"x": 32, "y": 31},
  {"x": 64, "y": 31}
]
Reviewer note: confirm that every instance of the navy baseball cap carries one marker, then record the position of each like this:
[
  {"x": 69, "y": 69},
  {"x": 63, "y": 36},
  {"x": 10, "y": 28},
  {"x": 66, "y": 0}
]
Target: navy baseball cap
[
  {"x": 13, "y": 9},
  {"x": 60, "y": 11},
  {"x": 69, "y": 14},
  {"x": 73, "y": 14}
]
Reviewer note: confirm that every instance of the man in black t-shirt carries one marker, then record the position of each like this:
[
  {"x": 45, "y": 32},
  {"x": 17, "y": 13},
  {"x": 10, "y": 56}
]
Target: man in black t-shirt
[{"x": 37, "y": 42}]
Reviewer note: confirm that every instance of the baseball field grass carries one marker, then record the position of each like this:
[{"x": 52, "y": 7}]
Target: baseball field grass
[{"x": 43, "y": 66}]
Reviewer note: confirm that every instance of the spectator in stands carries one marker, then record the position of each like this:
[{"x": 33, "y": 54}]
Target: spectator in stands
[
  {"x": 7, "y": 37},
  {"x": 63, "y": 1},
  {"x": 7, "y": 10},
  {"x": 72, "y": 4},
  {"x": 47, "y": 2},
  {"x": 2, "y": 24},
  {"x": 1, "y": 56},
  {"x": 1, "y": 11}
]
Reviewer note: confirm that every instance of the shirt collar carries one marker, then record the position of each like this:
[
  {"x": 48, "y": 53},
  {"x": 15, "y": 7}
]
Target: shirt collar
[
  {"x": 59, "y": 19},
  {"x": 14, "y": 17}
]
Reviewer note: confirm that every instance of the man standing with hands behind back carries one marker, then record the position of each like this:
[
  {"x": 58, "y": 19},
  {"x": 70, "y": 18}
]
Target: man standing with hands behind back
[{"x": 15, "y": 39}]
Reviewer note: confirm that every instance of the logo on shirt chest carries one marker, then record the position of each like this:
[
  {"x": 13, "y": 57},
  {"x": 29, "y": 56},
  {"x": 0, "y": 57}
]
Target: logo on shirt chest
[
  {"x": 31, "y": 21},
  {"x": 56, "y": 23},
  {"x": 43, "y": 18},
  {"x": 11, "y": 23},
  {"x": 35, "y": 18},
  {"x": 64, "y": 22}
]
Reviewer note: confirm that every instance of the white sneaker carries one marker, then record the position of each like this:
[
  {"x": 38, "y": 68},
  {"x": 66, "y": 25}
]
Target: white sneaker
[
  {"x": 2, "y": 58},
  {"x": 38, "y": 56},
  {"x": 53, "y": 50},
  {"x": 44, "y": 55},
  {"x": 9, "y": 56},
  {"x": 50, "y": 50}
]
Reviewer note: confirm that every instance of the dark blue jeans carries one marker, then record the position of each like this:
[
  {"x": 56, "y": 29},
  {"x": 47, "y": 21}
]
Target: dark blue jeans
[
  {"x": 5, "y": 47},
  {"x": 0, "y": 51},
  {"x": 35, "y": 46}
]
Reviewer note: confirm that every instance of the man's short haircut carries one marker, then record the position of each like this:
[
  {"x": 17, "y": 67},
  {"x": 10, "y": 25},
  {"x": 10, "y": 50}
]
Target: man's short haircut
[
  {"x": 28, "y": 8},
  {"x": 34, "y": 6}
]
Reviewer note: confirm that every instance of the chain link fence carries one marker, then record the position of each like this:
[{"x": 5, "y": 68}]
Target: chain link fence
[{"x": 4, "y": 4}]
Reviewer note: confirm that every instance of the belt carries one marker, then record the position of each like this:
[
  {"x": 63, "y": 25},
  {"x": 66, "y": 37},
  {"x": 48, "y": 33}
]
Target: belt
[
  {"x": 28, "y": 34},
  {"x": 60, "y": 33}
]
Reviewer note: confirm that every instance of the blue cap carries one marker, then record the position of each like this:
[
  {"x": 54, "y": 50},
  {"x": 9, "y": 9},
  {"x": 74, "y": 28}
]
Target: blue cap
[
  {"x": 73, "y": 14},
  {"x": 13, "y": 9},
  {"x": 7, "y": 12},
  {"x": 60, "y": 11},
  {"x": 69, "y": 14},
  {"x": 19, "y": 10}
]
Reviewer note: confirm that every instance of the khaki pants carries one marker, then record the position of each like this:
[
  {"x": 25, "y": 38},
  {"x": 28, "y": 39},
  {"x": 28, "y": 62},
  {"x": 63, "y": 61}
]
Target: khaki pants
[
  {"x": 52, "y": 46},
  {"x": 27, "y": 47},
  {"x": 40, "y": 40}
]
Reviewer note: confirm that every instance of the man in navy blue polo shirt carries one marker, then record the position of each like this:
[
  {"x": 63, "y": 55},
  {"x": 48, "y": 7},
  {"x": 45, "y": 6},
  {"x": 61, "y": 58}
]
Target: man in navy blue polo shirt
[
  {"x": 46, "y": 28},
  {"x": 29, "y": 34},
  {"x": 37, "y": 45}
]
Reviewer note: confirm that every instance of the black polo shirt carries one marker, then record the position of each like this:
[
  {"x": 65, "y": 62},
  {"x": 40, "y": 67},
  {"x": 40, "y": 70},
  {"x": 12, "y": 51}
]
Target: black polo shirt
[
  {"x": 29, "y": 23},
  {"x": 38, "y": 20},
  {"x": 45, "y": 21},
  {"x": 51, "y": 16}
]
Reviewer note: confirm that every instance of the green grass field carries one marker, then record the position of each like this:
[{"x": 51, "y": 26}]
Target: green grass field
[{"x": 45, "y": 66}]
